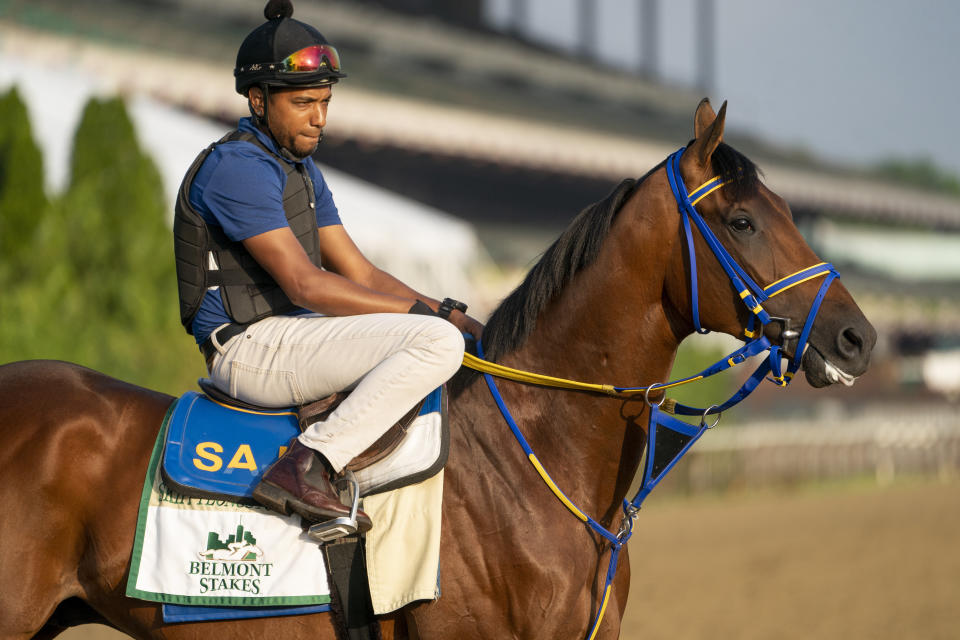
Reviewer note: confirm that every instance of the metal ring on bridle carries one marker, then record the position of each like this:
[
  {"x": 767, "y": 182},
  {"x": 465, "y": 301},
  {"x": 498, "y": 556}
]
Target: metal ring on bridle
[
  {"x": 706, "y": 412},
  {"x": 646, "y": 396},
  {"x": 626, "y": 525}
]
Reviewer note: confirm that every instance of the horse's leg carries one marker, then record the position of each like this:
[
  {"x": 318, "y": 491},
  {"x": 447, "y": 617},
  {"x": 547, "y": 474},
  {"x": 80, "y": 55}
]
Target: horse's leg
[{"x": 72, "y": 612}]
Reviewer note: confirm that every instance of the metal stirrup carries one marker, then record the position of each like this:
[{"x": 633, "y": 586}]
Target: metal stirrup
[{"x": 343, "y": 525}]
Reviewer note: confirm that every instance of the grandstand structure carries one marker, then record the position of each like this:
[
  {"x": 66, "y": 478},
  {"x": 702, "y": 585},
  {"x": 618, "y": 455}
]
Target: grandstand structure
[{"x": 510, "y": 136}]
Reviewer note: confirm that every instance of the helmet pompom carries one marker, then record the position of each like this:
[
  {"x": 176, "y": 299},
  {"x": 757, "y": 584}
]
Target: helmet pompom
[{"x": 278, "y": 9}]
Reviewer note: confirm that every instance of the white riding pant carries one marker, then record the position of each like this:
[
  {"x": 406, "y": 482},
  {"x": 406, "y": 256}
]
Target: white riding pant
[{"x": 389, "y": 361}]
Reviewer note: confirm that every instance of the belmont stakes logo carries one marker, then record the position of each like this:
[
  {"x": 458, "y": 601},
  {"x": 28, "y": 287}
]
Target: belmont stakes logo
[{"x": 231, "y": 565}]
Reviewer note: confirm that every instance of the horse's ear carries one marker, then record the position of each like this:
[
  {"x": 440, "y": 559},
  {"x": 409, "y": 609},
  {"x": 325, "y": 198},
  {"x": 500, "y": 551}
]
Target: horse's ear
[
  {"x": 708, "y": 128},
  {"x": 703, "y": 118}
]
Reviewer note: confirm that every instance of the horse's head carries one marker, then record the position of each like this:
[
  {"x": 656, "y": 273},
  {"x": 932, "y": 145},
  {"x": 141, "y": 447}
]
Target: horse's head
[{"x": 756, "y": 228}]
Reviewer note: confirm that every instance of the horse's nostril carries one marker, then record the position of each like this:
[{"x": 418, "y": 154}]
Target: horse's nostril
[{"x": 849, "y": 343}]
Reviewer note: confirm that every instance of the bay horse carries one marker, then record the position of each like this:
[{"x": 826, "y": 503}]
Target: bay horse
[{"x": 608, "y": 301}]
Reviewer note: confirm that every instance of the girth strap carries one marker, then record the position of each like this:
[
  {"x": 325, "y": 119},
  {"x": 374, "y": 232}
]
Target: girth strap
[{"x": 346, "y": 569}]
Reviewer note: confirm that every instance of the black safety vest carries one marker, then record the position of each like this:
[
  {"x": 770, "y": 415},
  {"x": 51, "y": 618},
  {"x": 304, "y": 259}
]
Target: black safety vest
[{"x": 249, "y": 292}]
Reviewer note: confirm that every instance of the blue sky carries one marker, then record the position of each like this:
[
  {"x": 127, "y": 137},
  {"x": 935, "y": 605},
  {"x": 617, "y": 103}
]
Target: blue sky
[{"x": 852, "y": 81}]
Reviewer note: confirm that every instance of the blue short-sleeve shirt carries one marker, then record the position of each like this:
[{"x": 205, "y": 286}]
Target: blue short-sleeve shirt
[{"x": 239, "y": 188}]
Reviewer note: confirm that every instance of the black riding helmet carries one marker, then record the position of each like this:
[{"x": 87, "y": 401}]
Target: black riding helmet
[{"x": 284, "y": 52}]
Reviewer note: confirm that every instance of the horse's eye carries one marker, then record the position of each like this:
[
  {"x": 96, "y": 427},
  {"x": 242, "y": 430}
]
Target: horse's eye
[{"x": 741, "y": 225}]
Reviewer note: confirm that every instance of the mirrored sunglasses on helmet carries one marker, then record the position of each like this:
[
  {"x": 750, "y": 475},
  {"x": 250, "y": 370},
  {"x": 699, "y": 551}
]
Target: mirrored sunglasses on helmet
[
  {"x": 318, "y": 57},
  {"x": 313, "y": 58}
]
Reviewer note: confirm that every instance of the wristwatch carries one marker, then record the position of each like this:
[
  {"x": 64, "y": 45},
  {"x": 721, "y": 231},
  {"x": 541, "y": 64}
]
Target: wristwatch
[{"x": 448, "y": 306}]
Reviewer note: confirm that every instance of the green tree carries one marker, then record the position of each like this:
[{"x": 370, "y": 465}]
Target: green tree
[
  {"x": 100, "y": 287},
  {"x": 118, "y": 243},
  {"x": 22, "y": 198}
]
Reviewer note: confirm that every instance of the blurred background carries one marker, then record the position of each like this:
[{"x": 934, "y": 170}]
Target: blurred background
[{"x": 466, "y": 137}]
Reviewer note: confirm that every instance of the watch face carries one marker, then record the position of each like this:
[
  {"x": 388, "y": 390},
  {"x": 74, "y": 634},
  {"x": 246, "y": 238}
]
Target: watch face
[{"x": 453, "y": 304}]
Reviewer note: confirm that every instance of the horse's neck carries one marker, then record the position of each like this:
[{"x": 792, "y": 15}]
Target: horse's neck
[{"x": 608, "y": 326}]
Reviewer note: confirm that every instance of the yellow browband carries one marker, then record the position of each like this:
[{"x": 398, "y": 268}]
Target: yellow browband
[{"x": 716, "y": 184}]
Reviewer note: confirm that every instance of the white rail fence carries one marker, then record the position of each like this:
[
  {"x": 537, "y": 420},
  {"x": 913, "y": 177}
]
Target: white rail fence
[{"x": 884, "y": 444}]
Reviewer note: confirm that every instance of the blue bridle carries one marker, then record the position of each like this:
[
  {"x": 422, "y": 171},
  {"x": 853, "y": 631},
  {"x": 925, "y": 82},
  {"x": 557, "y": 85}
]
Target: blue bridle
[
  {"x": 663, "y": 426},
  {"x": 751, "y": 293}
]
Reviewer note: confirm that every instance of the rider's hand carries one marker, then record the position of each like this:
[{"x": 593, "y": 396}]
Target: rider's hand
[{"x": 466, "y": 324}]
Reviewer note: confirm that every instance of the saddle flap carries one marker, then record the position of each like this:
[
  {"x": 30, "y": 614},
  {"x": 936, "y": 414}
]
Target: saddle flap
[
  {"x": 214, "y": 450},
  {"x": 388, "y": 442}
]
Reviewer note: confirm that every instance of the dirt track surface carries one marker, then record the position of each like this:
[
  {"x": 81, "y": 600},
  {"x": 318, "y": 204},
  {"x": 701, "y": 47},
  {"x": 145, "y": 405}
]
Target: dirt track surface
[
  {"x": 851, "y": 563},
  {"x": 844, "y": 563}
]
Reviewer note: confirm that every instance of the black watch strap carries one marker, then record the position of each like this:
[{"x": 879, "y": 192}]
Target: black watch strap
[
  {"x": 448, "y": 306},
  {"x": 421, "y": 308}
]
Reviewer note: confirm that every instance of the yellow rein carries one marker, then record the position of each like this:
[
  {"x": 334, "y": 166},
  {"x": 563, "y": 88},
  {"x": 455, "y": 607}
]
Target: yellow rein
[
  {"x": 518, "y": 375},
  {"x": 485, "y": 366}
]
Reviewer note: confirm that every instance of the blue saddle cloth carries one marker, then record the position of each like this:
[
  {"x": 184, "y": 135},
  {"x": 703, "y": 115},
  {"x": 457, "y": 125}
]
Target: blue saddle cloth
[
  {"x": 214, "y": 450},
  {"x": 188, "y": 613}
]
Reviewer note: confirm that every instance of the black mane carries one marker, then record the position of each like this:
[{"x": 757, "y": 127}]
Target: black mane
[
  {"x": 511, "y": 323},
  {"x": 577, "y": 247},
  {"x": 737, "y": 170}
]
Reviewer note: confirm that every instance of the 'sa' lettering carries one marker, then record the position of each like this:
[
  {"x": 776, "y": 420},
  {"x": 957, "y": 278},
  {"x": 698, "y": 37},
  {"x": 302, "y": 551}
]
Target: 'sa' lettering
[
  {"x": 243, "y": 459},
  {"x": 208, "y": 451}
]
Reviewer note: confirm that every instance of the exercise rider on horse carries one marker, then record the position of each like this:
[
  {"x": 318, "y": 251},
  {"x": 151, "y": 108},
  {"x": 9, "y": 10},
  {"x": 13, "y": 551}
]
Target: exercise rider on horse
[{"x": 284, "y": 306}]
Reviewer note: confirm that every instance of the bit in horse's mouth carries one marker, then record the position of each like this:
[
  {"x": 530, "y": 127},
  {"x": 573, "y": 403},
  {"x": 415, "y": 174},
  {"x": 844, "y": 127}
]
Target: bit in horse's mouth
[
  {"x": 836, "y": 375},
  {"x": 821, "y": 372}
]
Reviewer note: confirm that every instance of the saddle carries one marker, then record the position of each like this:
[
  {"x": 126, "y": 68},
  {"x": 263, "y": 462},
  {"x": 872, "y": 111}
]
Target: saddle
[
  {"x": 218, "y": 446},
  {"x": 312, "y": 412}
]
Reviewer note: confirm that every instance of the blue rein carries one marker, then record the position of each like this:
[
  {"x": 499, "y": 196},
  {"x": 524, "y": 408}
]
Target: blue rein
[{"x": 676, "y": 437}]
